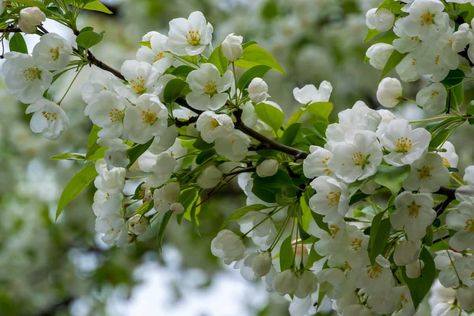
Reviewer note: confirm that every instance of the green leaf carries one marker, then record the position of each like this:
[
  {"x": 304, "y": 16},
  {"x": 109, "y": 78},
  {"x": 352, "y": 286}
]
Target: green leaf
[
  {"x": 182, "y": 71},
  {"x": 371, "y": 34},
  {"x": 188, "y": 198},
  {"x": 87, "y": 39},
  {"x": 238, "y": 213},
  {"x": 136, "y": 151},
  {"x": 320, "y": 111},
  {"x": 453, "y": 78},
  {"x": 69, "y": 156},
  {"x": 75, "y": 186},
  {"x": 257, "y": 71},
  {"x": 161, "y": 231},
  {"x": 290, "y": 134},
  {"x": 271, "y": 115},
  {"x": 254, "y": 55},
  {"x": 17, "y": 44},
  {"x": 391, "y": 177},
  {"x": 97, "y": 6},
  {"x": 173, "y": 89},
  {"x": 218, "y": 59},
  {"x": 419, "y": 287},
  {"x": 457, "y": 94},
  {"x": 392, "y": 62},
  {"x": 287, "y": 255},
  {"x": 379, "y": 233}
]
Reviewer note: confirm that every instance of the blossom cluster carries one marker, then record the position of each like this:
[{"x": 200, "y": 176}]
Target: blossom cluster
[{"x": 357, "y": 212}]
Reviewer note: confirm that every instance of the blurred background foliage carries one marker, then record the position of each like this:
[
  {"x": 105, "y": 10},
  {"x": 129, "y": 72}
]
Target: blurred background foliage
[{"x": 60, "y": 268}]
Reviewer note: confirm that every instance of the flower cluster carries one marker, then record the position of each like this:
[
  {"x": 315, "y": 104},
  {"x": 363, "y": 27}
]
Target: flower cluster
[{"x": 358, "y": 212}]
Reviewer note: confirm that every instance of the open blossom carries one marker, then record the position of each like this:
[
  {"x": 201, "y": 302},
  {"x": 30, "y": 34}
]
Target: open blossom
[
  {"x": 158, "y": 53},
  {"x": 462, "y": 220},
  {"x": 166, "y": 196},
  {"x": 107, "y": 111},
  {"x": 211, "y": 125},
  {"x": 414, "y": 212},
  {"x": 233, "y": 145},
  {"x": 405, "y": 145},
  {"x": 189, "y": 36},
  {"x": 449, "y": 156},
  {"x": 208, "y": 88},
  {"x": 316, "y": 163},
  {"x": 140, "y": 75},
  {"x": 48, "y": 118},
  {"x": 310, "y": 94},
  {"x": 30, "y": 18},
  {"x": 149, "y": 117},
  {"x": 427, "y": 174},
  {"x": 331, "y": 198},
  {"x": 53, "y": 52},
  {"x": 356, "y": 160},
  {"x": 24, "y": 78}
]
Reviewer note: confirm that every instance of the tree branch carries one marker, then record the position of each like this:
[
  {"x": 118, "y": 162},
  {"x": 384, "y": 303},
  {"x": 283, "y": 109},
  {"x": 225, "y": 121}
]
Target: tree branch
[
  {"x": 450, "y": 196},
  {"x": 267, "y": 142},
  {"x": 94, "y": 61}
]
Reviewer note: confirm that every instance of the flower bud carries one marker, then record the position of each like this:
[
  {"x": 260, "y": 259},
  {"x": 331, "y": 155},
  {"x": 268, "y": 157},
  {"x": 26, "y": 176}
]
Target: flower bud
[
  {"x": 267, "y": 168},
  {"x": 379, "y": 19},
  {"x": 209, "y": 178},
  {"x": 232, "y": 47},
  {"x": 406, "y": 252},
  {"x": 285, "y": 282},
  {"x": 261, "y": 264},
  {"x": 258, "y": 90},
  {"x": 307, "y": 284},
  {"x": 228, "y": 246},
  {"x": 389, "y": 92},
  {"x": 378, "y": 54},
  {"x": 137, "y": 224},
  {"x": 177, "y": 207},
  {"x": 30, "y": 18},
  {"x": 413, "y": 270}
]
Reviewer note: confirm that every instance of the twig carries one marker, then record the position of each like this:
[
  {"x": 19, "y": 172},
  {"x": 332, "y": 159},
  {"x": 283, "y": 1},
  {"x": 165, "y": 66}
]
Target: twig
[
  {"x": 450, "y": 196},
  {"x": 267, "y": 142}
]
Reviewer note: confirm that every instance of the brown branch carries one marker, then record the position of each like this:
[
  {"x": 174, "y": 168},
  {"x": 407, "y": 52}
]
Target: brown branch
[
  {"x": 450, "y": 196},
  {"x": 11, "y": 29},
  {"x": 265, "y": 141},
  {"x": 94, "y": 61}
]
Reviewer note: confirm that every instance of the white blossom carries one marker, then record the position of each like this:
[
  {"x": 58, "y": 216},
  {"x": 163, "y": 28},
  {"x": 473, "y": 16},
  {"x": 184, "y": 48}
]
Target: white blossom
[
  {"x": 427, "y": 174},
  {"x": 30, "y": 18},
  {"x": 189, "y": 36},
  {"x": 389, "y": 92},
  {"x": 210, "y": 177},
  {"x": 258, "y": 90},
  {"x": 233, "y": 145},
  {"x": 228, "y": 246},
  {"x": 379, "y": 19},
  {"x": 310, "y": 94},
  {"x": 378, "y": 55},
  {"x": 331, "y": 198},
  {"x": 462, "y": 221},
  {"x": 267, "y": 168},
  {"x": 232, "y": 47},
  {"x": 210, "y": 125},
  {"x": 208, "y": 87},
  {"x": 432, "y": 98},
  {"x": 53, "y": 52},
  {"x": 48, "y": 118}
]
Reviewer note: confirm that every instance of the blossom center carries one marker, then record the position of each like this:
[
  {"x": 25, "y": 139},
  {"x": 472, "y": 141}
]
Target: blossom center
[
  {"x": 356, "y": 244},
  {"x": 193, "y": 37},
  {"x": 214, "y": 123},
  {"x": 359, "y": 159},
  {"x": 374, "y": 271},
  {"x": 424, "y": 172},
  {"x": 333, "y": 230},
  {"x": 149, "y": 117},
  {"x": 210, "y": 88},
  {"x": 32, "y": 73},
  {"x": 427, "y": 18},
  {"x": 469, "y": 226},
  {"x": 116, "y": 115},
  {"x": 333, "y": 198},
  {"x": 54, "y": 53},
  {"x": 413, "y": 209},
  {"x": 138, "y": 84},
  {"x": 403, "y": 145},
  {"x": 159, "y": 56},
  {"x": 50, "y": 116},
  {"x": 326, "y": 170},
  {"x": 446, "y": 162}
]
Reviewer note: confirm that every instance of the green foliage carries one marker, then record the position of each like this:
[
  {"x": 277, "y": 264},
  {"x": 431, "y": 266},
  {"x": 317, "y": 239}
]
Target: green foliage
[
  {"x": 271, "y": 115},
  {"x": 257, "y": 71},
  {"x": 88, "y": 38},
  {"x": 240, "y": 212},
  {"x": 419, "y": 287},
  {"x": 75, "y": 186},
  {"x": 392, "y": 177},
  {"x": 218, "y": 59},
  {"x": 98, "y": 6},
  {"x": 287, "y": 255},
  {"x": 254, "y": 55},
  {"x": 18, "y": 44},
  {"x": 173, "y": 90},
  {"x": 392, "y": 62},
  {"x": 136, "y": 151},
  {"x": 379, "y": 233}
]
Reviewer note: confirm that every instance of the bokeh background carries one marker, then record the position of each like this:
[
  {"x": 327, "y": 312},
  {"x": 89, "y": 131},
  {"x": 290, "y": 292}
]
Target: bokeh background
[{"x": 61, "y": 268}]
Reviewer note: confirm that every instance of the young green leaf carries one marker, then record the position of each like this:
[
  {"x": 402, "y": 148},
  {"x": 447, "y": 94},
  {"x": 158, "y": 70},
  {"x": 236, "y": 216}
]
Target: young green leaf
[
  {"x": 97, "y": 6},
  {"x": 17, "y": 44},
  {"x": 87, "y": 39},
  {"x": 270, "y": 115},
  {"x": 173, "y": 89},
  {"x": 75, "y": 186},
  {"x": 218, "y": 59},
  {"x": 421, "y": 286},
  {"x": 391, "y": 177},
  {"x": 287, "y": 255},
  {"x": 392, "y": 62},
  {"x": 379, "y": 233},
  {"x": 254, "y": 55},
  {"x": 257, "y": 71}
]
